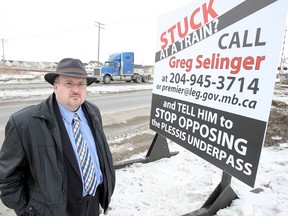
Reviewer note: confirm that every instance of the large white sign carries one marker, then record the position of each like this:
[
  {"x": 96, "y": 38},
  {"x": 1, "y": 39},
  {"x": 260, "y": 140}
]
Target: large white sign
[{"x": 215, "y": 70}]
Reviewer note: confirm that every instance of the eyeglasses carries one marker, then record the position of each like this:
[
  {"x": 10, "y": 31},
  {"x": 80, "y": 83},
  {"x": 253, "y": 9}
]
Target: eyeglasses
[{"x": 71, "y": 85}]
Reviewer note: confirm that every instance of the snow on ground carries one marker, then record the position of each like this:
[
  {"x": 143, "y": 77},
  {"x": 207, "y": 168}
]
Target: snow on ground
[
  {"x": 281, "y": 94},
  {"x": 33, "y": 77},
  {"x": 94, "y": 89},
  {"x": 182, "y": 183},
  {"x": 23, "y": 77}
]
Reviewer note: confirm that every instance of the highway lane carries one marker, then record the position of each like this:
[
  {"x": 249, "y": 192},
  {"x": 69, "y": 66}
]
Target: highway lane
[{"x": 107, "y": 103}]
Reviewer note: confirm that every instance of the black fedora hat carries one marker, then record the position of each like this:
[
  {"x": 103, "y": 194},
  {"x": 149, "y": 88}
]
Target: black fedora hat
[{"x": 69, "y": 67}]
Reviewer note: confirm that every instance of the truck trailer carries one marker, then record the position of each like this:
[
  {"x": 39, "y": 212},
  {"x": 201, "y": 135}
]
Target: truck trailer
[{"x": 120, "y": 67}]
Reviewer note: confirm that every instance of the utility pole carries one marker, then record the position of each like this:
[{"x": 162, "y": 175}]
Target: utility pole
[
  {"x": 3, "y": 53},
  {"x": 99, "y": 25}
]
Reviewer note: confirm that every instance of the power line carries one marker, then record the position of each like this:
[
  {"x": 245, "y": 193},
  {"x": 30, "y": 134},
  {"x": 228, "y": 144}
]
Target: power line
[
  {"x": 77, "y": 28},
  {"x": 131, "y": 21},
  {"x": 50, "y": 33}
]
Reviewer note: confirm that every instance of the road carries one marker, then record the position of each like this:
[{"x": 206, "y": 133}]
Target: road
[{"x": 110, "y": 106}]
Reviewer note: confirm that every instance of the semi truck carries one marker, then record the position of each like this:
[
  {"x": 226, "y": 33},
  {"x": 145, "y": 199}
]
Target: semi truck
[{"x": 120, "y": 67}]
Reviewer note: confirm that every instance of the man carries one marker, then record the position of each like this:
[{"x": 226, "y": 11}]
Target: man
[{"x": 55, "y": 159}]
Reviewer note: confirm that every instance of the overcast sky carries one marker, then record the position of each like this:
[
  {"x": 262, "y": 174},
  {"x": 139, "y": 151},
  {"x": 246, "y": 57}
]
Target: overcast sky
[{"x": 45, "y": 30}]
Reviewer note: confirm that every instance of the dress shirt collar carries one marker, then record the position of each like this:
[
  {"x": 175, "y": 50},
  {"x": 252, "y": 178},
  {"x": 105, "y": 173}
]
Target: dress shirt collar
[{"x": 68, "y": 115}]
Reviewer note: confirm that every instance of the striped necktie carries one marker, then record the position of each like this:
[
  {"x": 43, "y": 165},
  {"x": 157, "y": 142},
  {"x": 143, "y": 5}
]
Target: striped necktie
[{"x": 86, "y": 163}]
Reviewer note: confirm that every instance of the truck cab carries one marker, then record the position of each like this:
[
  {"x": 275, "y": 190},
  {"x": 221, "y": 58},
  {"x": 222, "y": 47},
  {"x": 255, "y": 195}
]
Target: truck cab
[
  {"x": 119, "y": 63},
  {"x": 119, "y": 66}
]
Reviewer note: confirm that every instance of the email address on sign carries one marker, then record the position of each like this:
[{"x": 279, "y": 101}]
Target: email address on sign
[{"x": 207, "y": 96}]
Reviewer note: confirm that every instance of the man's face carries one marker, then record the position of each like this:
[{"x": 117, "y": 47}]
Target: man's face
[{"x": 70, "y": 92}]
